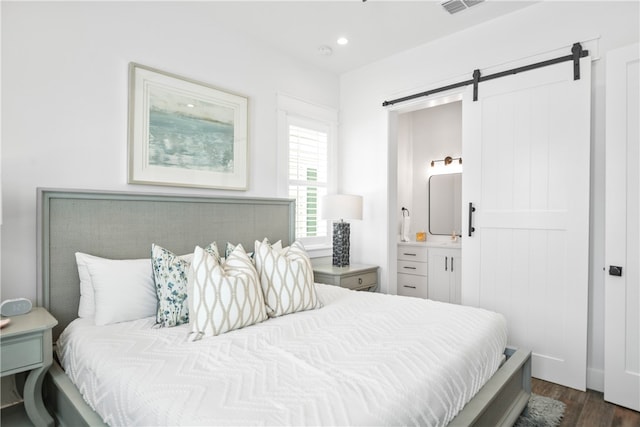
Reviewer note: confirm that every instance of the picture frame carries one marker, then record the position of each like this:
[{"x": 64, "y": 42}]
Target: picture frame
[{"x": 185, "y": 133}]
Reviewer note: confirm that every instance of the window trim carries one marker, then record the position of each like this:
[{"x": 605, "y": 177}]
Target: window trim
[{"x": 302, "y": 113}]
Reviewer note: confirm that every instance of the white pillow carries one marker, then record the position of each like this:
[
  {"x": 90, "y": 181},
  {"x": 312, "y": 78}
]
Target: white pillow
[
  {"x": 122, "y": 289},
  {"x": 286, "y": 277},
  {"x": 224, "y": 295},
  {"x": 87, "y": 306}
]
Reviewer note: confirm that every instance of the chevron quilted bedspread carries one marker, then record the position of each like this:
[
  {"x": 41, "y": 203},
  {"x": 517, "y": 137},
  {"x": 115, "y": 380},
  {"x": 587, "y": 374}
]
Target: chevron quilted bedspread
[{"x": 362, "y": 359}]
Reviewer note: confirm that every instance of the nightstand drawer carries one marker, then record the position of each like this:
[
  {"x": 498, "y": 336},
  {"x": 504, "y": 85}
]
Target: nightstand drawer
[
  {"x": 412, "y": 286},
  {"x": 327, "y": 279},
  {"x": 360, "y": 281},
  {"x": 412, "y": 267},
  {"x": 21, "y": 352},
  {"x": 357, "y": 277}
]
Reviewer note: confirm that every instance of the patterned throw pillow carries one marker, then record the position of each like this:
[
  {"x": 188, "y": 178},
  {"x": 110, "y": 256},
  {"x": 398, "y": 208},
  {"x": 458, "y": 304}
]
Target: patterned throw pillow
[
  {"x": 170, "y": 277},
  {"x": 212, "y": 249},
  {"x": 225, "y": 296},
  {"x": 230, "y": 247},
  {"x": 286, "y": 276}
]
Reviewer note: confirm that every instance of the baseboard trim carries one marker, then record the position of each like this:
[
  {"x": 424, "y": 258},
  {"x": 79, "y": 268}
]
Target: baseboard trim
[{"x": 595, "y": 379}]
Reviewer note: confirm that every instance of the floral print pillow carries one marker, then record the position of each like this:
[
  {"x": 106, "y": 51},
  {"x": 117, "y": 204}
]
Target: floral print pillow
[
  {"x": 229, "y": 248},
  {"x": 170, "y": 277}
]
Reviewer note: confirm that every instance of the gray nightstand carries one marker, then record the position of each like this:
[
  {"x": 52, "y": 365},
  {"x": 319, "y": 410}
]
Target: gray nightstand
[
  {"x": 26, "y": 346},
  {"x": 356, "y": 276}
]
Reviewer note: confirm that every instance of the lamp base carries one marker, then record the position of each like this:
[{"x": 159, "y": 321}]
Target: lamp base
[{"x": 340, "y": 244}]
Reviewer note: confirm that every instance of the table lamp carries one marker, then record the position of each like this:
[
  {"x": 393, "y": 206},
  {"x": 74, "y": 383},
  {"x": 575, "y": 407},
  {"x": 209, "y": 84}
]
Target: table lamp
[{"x": 341, "y": 207}]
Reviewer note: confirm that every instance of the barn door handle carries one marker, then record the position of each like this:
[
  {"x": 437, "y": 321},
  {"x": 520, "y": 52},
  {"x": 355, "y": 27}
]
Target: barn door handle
[
  {"x": 471, "y": 211},
  {"x": 615, "y": 270}
]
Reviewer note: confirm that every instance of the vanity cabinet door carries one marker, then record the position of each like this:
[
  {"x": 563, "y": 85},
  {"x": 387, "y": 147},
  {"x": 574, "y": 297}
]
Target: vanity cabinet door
[{"x": 444, "y": 275}]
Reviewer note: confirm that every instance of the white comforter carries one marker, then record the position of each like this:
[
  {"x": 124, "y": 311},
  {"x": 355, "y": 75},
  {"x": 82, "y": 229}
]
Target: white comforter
[{"x": 362, "y": 359}]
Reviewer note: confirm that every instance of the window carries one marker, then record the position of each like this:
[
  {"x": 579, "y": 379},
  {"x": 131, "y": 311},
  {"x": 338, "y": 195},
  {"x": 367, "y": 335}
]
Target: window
[
  {"x": 308, "y": 154},
  {"x": 307, "y": 136}
]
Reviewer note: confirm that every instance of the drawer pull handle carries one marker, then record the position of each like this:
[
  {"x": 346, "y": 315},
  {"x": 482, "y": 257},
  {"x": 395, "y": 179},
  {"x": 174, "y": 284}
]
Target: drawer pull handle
[
  {"x": 404, "y": 253},
  {"x": 359, "y": 280},
  {"x": 410, "y": 287},
  {"x": 409, "y": 268}
]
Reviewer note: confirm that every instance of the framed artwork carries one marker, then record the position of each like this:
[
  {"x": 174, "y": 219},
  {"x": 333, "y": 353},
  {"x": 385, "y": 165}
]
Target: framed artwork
[{"x": 185, "y": 133}]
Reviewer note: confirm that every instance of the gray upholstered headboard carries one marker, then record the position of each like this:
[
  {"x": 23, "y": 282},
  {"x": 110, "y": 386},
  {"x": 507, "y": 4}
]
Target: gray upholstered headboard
[{"x": 120, "y": 225}]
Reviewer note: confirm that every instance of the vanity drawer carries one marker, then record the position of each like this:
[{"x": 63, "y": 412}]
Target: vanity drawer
[
  {"x": 412, "y": 267},
  {"x": 412, "y": 286},
  {"x": 412, "y": 253}
]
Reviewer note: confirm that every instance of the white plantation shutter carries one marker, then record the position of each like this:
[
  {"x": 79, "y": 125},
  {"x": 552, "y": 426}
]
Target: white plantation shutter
[
  {"x": 307, "y": 138},
  {"x": 308, "y": 177}
]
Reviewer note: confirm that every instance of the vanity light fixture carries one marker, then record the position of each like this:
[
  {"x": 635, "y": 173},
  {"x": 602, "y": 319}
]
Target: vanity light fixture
[{"x": 447, "y": 161}]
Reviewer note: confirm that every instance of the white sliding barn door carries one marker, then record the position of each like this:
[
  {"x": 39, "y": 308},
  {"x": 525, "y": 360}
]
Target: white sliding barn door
[
  {"x": 622, "y": 237},
  {"x": 526, "y": 148}
]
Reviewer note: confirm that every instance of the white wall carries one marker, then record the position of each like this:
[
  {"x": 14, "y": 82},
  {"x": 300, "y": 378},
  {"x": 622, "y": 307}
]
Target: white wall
[
  {"x": 64, "y": 101},
  {"x": 405, "y": 170},
  {"x": 534, "y": 30}
]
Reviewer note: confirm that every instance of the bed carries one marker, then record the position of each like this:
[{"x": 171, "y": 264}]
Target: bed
[{"x": 351, "y": 362}]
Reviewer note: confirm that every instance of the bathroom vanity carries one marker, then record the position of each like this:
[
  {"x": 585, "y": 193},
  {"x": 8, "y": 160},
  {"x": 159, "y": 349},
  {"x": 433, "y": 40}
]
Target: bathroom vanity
[{"x": 430, "y": 270}]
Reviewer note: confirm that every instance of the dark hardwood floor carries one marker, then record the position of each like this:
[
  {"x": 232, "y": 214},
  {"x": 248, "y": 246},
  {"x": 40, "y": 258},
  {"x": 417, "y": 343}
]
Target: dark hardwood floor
[{"x": 586, "y": 409}]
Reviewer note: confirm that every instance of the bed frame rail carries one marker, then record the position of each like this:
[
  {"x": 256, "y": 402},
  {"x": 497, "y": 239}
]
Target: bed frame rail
[
  {"x": 65, "y": 403},
  {"x": 504, "y": 397},
  {"x": 498, "y": 403}
]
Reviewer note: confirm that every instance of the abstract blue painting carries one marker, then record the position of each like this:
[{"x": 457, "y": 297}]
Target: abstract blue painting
[{"x": 188, "y": 133}]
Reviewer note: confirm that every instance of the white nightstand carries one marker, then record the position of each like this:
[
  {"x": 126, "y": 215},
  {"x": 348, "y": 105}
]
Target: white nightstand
[
  {"x": 26, "y": 346},
  {"x": 356, "y": 276}
]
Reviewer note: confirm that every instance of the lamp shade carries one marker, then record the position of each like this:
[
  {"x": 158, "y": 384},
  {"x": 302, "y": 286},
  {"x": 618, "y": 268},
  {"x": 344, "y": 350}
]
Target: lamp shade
[{"x": 341, "y": 206}]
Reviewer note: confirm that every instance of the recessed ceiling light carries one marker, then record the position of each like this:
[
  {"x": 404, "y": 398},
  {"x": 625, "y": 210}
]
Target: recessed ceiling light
[{"x": 343, "y": 41}]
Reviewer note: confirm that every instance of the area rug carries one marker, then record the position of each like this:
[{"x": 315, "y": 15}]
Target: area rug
[{"x": 543, "y": 412}]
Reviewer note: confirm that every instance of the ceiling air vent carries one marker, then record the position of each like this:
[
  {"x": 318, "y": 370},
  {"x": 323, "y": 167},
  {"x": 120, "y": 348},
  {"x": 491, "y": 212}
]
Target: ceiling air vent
[{"x": 455, "y": 6}]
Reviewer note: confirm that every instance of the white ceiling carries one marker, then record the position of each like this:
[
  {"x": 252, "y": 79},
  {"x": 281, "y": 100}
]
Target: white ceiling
[{"x": 375, "y": 29}]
